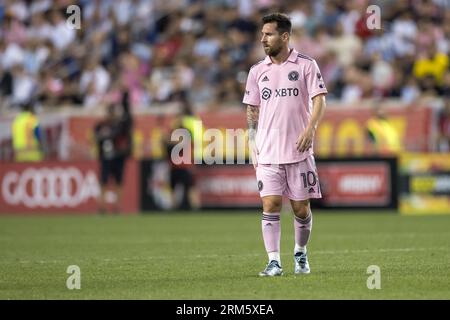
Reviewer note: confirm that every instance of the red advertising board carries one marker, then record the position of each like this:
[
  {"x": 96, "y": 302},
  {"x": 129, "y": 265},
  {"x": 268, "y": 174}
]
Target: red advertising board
[
  {"x": 59, "y": 187},
  {"x": 345, "y": 182},
  {"x": 353, "y": 184},
  {"x": 228, "y": 186}
]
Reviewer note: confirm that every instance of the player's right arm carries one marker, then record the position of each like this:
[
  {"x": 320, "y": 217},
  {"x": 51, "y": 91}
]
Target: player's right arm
[
  {"x": 252, "y": 100},
  {"x": 252, "y": 123}
]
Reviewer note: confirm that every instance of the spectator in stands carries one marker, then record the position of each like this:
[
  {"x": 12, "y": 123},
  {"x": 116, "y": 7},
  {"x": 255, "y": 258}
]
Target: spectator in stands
[
  {"x": 410, "y": 92},
  {"x": 24, "y": 86},
  {"x": 347, "y": 47},
  {"x": 382, "y": 75},
  {"x": 5, "y": 82},
  {"x": 433, "y": 63},
  {"x": 443, "y": 136},
  {"x": 94, "y": 82},
  {"x": 148, "y": 43},
  {"x": 445, "y": 88},
  {"x": 404, "y": 30}
]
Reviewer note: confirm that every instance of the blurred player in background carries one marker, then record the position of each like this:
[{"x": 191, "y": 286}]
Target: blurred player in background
[
  {"x": 182, "y": 182},
  {"x": 285, "y": 97},
  {"x": 382, "y": 133},
  {"x": 27, "y": 136},
  {"x": 114, "y": 139}
]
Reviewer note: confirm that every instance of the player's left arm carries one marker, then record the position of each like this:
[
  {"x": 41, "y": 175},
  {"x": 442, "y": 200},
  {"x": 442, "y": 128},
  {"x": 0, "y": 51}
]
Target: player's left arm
[{"x": 306, "y": 138}]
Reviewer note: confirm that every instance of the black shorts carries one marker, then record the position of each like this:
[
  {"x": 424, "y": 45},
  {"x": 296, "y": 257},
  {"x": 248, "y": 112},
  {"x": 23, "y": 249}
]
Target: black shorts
[
  {"x": 113, "y": 167},
  {"x": 181, "y": 176}
]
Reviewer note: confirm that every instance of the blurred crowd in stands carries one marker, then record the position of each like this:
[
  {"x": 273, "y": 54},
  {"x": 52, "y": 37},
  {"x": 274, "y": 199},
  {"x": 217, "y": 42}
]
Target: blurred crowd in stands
[{"x": 166, "y": 50}]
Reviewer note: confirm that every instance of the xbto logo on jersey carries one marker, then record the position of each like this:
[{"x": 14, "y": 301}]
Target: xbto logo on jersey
[
  {"x": 282, "y": 92},
  {"x": 286, "y": 92},
  {"x": 266, "y": 93}
]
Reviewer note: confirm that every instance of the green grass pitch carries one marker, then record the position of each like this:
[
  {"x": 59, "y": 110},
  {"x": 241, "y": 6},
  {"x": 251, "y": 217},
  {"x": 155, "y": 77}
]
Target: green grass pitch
[{"x": 217, "y": 255}]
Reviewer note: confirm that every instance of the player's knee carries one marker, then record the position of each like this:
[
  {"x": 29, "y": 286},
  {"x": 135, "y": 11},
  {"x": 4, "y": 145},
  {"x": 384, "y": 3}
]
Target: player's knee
[
  {"x": 272, "y": 206},
  {"x": 301, "y": 210}
]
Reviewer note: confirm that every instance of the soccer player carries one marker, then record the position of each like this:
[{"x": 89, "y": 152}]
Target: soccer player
[
  {"x": 114, "y": 138},
  {"x": 285, "y": 98}
]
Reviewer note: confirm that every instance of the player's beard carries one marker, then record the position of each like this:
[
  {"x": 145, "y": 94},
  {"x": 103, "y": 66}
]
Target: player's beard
[{"x": 273, "y": 51}]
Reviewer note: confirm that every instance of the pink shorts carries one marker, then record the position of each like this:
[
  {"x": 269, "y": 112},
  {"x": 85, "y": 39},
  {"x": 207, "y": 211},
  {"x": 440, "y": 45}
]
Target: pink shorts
[{"x": 297, "y": 181}]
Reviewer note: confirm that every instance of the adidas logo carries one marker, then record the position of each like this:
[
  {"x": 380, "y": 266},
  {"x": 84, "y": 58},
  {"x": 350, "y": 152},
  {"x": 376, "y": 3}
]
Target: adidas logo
[
  {"x": 265, "y": 79},
  {"x": 311, "y": 190}
]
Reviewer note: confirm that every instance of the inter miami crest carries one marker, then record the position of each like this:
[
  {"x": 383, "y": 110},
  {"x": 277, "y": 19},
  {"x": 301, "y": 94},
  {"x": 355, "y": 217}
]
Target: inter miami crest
[
  {"x": 260, "y": 185},
  {"x": 293, "y": 75}
]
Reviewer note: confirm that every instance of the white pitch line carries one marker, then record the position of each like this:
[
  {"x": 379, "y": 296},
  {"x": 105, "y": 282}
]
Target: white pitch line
[{"x": 213, "y": 256}]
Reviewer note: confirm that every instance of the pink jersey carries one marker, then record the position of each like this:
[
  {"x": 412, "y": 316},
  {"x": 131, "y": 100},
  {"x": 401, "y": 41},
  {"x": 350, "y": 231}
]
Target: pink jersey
[{"x": 284, "y": 94}]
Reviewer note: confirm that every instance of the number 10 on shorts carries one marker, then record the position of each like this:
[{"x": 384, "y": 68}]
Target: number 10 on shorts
[{"x": 309, "y": 179}]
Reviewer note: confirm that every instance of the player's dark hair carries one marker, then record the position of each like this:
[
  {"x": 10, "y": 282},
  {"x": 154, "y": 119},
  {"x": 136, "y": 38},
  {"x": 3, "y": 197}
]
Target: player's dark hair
[
  {"x": 283, "y": 22},
  {"x": 27, "y": 106}
]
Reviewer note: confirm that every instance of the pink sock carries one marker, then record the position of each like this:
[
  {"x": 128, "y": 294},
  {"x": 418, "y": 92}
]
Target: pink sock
[
  {"x": 302, "y": 229},
  {"x": 271, "y": 231}
]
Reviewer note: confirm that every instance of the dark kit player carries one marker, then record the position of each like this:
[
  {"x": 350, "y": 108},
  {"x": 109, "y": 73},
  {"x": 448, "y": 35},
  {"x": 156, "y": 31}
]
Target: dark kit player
[{"x": 114, "y": 139}]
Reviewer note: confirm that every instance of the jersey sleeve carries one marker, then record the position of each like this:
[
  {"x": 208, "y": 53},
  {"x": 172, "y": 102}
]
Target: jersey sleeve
[
  {"x": 251, "y": 95},
  {"x": 314, "y": 80}
]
